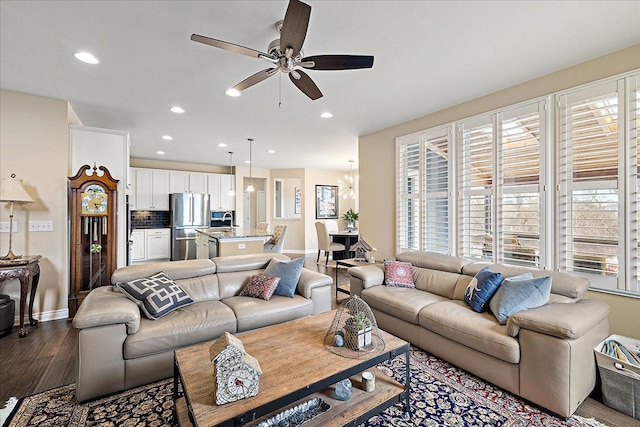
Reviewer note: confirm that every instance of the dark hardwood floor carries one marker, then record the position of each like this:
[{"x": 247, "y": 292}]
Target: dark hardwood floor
[{"x": 46, "y": 359}]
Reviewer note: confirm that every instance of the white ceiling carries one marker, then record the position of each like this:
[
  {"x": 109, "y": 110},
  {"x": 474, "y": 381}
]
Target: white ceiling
[{"x": 429, "y": 55}]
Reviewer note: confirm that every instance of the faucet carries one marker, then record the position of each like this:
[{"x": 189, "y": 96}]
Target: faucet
[{"x": 227, "y": 216}]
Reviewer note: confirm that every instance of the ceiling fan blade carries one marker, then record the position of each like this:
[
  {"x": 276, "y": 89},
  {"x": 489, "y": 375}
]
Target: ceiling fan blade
[
  {"x": 338, "y": 62},
  {"x": 230, "y": 47},
  {"x": 255, "y": 78},
  {"x": 294, "y": 27},
  {"x": 306, "y": 85}
]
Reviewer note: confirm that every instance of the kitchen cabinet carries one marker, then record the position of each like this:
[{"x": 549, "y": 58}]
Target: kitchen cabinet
[
  {"x": 202, "y": 246},
  {"x": 158, "y": 244},
  {"x": 151, "y": 189},
  {"x": 138, "y": 246},
  {"x": 150, "y": 245},
  {"x": 219, "y": 186},
  {"x": 187, "y": 182}
]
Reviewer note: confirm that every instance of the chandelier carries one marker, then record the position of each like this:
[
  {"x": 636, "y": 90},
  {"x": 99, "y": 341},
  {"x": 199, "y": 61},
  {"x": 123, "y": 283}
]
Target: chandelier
[{"x": 348, "y": 188}]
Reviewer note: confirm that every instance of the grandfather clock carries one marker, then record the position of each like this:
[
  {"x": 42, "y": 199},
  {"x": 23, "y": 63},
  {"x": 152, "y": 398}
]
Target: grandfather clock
[{"x": 93, "y": 228}]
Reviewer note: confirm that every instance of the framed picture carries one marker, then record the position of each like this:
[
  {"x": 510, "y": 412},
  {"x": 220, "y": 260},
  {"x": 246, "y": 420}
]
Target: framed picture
[
  {"x": 298, "y": 206},
  {"x": 326, "y": 201}
]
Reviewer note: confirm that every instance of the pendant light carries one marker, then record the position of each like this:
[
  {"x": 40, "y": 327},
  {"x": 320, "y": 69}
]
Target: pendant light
[
  {"x": 231, "y": 191},
  {"x": 348, "y": 186},
  {"x": 250, "y": 186}
]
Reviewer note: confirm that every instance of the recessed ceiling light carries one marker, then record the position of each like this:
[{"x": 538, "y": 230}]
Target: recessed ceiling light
[
  {"x": 271, "y": 151},
  {"x": 167, "y": 137},
  {"x": 86, "y": 57},
  {"x": 160, "y": 152},
  {"x": 222, "y": 144},
  {"x": 232, "y": 92},
  {"x": 247, "y": 161},
  {"x": 177, "y": 109},
  {"x": 326, "y": 115}
]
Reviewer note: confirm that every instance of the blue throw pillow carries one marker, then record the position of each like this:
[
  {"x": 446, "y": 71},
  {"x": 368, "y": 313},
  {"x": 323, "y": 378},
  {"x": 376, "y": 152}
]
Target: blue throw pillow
[
  {"x": 518, "y": 294},
  {"x": 289, "y": 274},
  {"x": 480, "y": 290}
]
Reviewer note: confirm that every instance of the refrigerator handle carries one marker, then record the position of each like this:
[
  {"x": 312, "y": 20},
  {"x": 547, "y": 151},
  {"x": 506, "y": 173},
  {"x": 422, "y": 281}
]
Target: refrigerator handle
[{"x": 190, "y": 204}]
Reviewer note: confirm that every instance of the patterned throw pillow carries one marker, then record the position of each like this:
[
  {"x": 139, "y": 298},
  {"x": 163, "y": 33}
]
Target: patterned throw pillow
[
  {"x": 399, "y": 274},
  {"x": 260, "y": 286},
  {"x": 157, "y": 295},
  {"x": 519, "y": 293},
  {"x": 480, "y": 291}
]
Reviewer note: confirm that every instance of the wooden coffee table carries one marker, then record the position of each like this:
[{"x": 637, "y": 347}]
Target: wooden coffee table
[{"x": 296, "y": 367}]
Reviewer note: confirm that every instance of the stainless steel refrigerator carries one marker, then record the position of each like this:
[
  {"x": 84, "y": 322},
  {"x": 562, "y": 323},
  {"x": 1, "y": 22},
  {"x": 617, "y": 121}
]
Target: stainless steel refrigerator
[{"x": 189, "y": 211}]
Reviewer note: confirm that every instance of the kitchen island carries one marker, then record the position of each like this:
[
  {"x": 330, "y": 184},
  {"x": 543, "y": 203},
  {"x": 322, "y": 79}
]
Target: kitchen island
[{"x": 224, "y": 241}]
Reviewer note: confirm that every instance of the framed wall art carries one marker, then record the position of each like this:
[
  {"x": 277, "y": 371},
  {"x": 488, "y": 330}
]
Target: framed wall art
[{"x": 326, "y": 202}]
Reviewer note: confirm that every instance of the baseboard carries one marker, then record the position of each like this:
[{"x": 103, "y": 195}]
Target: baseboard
[
  {"x": 294, "y": 251},
  {"x": 45, "y": 316}
]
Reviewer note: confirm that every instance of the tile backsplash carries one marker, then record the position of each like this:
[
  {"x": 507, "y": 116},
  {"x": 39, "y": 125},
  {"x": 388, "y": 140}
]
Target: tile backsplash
[{"x": 158, "y": 219}]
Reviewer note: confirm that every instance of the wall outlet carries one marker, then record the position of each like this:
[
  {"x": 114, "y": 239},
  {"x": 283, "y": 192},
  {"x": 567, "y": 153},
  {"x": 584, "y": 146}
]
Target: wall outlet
[
  {"x": 4, "y": 226},
  {"x": 40, "y": 225}
]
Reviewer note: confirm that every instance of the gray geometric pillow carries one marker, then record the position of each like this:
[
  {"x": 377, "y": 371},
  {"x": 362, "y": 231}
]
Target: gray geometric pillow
[{"x": 157, "y": 295}]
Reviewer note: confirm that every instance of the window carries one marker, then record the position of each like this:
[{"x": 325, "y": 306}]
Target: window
[
  {"x": 508, "y": 187},
  {"x": 423, "y": 191}
]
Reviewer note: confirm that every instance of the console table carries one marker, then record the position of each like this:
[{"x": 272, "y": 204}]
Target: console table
[{"x": 27, "y": 271}]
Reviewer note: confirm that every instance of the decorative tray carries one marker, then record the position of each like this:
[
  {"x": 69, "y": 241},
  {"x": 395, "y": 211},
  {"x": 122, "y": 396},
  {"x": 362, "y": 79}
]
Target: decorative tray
[{"x": 297, "y": 415}]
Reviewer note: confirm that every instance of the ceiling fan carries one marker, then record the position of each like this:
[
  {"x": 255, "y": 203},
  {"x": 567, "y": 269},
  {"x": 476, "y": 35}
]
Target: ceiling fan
[{"x": 286, "y": 54}]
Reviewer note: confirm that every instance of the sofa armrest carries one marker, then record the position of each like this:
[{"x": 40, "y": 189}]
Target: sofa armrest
[
  {"x": 560, "y": 320},
  {"x": 370, "y": 275},
  {"x": 104, "y": 306},
  {"x": 310, "y": 280}
]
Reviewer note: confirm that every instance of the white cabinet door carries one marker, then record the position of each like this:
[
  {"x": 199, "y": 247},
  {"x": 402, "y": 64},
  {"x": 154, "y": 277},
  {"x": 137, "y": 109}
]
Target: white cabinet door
[
  {"x": 158, "y": 244},
  {"x": 227, "y": 201},
  {"x": 198, "y": 182},
  {"x": 178, "y": 182},
  {"x": 160, "y": 190},
  {"x": 138, "y": 246},
  {"x": 213, "y": 187},
  {"x": 143, "y": 196},
  {"x": 151, "y": 190}
]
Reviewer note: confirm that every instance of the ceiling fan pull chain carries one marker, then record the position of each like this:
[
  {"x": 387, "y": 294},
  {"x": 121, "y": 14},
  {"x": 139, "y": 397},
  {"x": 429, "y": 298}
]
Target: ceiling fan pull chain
[{"x": 280, "y": 90}]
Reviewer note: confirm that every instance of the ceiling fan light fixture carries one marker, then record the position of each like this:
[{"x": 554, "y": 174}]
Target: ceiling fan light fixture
[
  {"x": 232, "y": 92},
  {"x": 86, "y": 57}
]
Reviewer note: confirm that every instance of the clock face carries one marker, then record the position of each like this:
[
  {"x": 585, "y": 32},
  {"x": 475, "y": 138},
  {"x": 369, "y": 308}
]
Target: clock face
[
  {"x": 94, "y": 200},
  {"x": 239, "y": 381}
]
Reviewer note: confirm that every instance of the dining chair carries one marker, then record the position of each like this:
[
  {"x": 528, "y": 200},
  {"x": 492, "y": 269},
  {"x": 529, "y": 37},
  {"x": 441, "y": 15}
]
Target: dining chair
[
  {"x": 324, "y": 241},
  {"x": 263, "y": 227},
  {"x": 276, "y": 244}
]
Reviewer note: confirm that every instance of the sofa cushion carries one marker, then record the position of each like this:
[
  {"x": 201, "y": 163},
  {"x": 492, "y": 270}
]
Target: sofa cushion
[
  {"x": 253, "y": 313},
  {"x": 231, "y": 283},
  {"x": 260, "y": 286},
  {"x": 437, "y": 282},
  {"x": 480, "y": 291},
  {"x": 397, "y": 273},
  {"x": 456, "y": 321},
  {"x": 157, "y": 295},
  {"x": 189, "y": 325},
  {"x": 434, "y": 261},
  {"x": 288, "y": 272},
  {"x": 403, "y": 303},
  {"x": 519, "y": 293},
  {"x": 174, "y": 269}
]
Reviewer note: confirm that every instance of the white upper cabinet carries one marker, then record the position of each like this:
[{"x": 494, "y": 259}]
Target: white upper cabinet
[
  {"x": 187, "y": 182},
  {"x": 219, "y": 186},
  {"x": 151, "y": 189}
]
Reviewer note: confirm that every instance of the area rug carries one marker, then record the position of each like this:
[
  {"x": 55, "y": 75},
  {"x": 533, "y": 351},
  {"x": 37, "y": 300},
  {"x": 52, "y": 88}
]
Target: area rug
[{"x": 441, "y": 395}]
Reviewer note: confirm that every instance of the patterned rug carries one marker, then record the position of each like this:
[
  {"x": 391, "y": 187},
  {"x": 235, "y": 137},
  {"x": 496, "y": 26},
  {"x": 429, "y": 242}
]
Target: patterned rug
[{"x": 441, "y": 395}]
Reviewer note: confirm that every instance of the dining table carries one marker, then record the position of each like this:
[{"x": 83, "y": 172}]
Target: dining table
[{"x": 347, "y": 238}]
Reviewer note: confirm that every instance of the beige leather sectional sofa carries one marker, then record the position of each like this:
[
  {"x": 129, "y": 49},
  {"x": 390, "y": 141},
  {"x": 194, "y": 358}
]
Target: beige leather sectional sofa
[
  {"x": 544, "y": 355},
  {"x": 119, "y": 348}
]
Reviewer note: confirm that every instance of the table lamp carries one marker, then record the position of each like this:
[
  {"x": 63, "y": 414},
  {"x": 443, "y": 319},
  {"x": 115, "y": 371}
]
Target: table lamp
[{"x": 12, "y": 190}]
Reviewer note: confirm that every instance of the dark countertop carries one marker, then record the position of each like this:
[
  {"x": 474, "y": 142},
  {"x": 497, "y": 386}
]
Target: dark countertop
[{"x": 147, "y": 227}]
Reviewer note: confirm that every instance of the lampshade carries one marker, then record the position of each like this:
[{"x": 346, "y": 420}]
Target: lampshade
[{"x": 12, "y": 190}]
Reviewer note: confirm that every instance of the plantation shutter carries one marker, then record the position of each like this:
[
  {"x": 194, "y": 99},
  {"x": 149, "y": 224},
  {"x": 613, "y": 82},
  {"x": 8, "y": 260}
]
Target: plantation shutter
[
  {"x": 408, "y": 193},
  {"x": 589, "y": 184},
  {"x": 436, "y": 155},
  {"x": 476, "y": 181},
  {"x": 520, "y": 182},
  {"x": 634, "y": 172}
]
